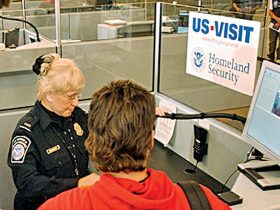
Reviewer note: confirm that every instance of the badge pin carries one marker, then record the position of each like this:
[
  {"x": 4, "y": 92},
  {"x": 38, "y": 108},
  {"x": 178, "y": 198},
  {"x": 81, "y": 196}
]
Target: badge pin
[
  {"x": 53, "y": 149},
  {"x": 78, "y": 129},
  {"x": 27, "y": 124}
]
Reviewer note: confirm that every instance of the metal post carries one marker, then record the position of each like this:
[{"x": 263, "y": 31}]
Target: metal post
[
  {"x": 199, "y": 5},
  {"x": 157, "y": 45},
  {"x": 23, "y": 6},
  {"x": 58, "y": 26}
]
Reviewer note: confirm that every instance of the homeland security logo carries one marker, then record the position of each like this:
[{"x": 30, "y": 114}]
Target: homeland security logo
[
  {"x": 198, "y": 59},
  {"x": 20, "y": 145}
]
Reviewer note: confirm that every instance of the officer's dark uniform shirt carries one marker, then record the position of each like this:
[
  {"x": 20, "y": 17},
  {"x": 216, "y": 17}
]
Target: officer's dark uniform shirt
[{"x": 47, "y": 155}]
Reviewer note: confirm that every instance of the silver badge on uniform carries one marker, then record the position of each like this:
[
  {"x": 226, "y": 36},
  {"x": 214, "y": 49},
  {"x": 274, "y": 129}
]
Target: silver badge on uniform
[{"x": 20, "y": 145}]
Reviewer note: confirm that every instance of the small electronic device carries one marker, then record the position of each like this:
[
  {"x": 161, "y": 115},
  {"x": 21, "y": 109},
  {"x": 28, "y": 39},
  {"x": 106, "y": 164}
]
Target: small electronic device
[
  {"x": 183, "y": 22},
  {"x": 11, "y": 38},
  {"x": 200, "y": 146},
  {"x": 230, "y": 198}
]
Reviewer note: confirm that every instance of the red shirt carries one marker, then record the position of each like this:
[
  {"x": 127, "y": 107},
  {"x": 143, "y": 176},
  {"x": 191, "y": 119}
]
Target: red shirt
[{"x": 156, "y": 192}]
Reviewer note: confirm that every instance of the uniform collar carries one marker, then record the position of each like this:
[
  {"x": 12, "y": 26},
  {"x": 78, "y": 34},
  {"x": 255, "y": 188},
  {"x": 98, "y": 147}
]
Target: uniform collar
[{"x": 47, "y": 117}]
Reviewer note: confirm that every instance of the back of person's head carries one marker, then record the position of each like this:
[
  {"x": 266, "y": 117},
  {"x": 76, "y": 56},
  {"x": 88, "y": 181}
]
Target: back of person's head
[
  {"x": 57, "y": 74},
  {"x": 121, "y": 118}
]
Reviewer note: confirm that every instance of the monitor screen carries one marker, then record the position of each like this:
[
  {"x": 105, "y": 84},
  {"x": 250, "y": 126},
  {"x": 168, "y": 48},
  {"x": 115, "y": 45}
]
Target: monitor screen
[
  {"x": 183, "y": 22},
  {"x": 262, "y": 129}
]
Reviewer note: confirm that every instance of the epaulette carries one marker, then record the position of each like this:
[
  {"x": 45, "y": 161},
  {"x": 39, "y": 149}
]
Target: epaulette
[{"x": 28, "y": 123}]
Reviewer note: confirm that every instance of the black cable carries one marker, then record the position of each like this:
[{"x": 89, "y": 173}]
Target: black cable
[
  {"x": 24, "y": 21},
  {"x": 189, "y": 170},
  {"x": 249, "y": 153},
  {"x": 224, "y": 185},
  {"x": 203, "y": 115},
  {"x": 247, "y": 160}
]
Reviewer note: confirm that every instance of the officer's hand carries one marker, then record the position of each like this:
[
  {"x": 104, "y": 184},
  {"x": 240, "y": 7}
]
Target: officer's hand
[{"x": 88, "y": 180}]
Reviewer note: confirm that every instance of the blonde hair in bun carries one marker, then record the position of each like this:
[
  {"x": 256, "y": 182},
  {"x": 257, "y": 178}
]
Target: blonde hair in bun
[{"x": 59, "y": 75}]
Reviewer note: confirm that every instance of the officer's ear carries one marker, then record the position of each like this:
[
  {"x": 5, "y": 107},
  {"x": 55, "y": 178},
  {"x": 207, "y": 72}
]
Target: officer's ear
[{"x": 49, "y": 96}]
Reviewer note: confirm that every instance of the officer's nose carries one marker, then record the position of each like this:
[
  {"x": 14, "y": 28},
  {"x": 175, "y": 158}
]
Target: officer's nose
[{"x": 75, "y": 101}]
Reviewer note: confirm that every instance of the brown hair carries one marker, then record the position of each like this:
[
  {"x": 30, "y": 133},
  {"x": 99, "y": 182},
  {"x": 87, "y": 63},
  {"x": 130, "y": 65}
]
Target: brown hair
[
  {"x": 121, "y": 117},
  {"x": 58, "y": 74}
]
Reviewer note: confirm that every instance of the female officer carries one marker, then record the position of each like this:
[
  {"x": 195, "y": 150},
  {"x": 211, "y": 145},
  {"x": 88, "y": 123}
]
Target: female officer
[{"x": 47, "y": 153}]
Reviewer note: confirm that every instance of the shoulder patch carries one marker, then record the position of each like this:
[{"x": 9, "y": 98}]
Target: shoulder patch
[{"x": 20, "y": 145}]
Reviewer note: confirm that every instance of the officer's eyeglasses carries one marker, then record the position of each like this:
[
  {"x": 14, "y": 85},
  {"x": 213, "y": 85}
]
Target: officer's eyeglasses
[{"x": 73, "y": 96}]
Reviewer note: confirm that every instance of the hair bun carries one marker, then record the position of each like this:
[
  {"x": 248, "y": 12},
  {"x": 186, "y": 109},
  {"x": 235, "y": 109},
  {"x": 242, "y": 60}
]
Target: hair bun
[{"x": 36, "y": 68}]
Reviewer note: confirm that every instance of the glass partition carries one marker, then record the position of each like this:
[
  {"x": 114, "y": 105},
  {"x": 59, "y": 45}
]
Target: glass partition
[
  {"x": 21, "y": 47},
  {"x": 82, "y": 20},
  {"x": 104, "y": 50},
  {"x": 118, "y": 50},
  {"x": 174, "y": 82},
  {"x": 31, "y": 12},
  {"x": 257, "y": 9}
]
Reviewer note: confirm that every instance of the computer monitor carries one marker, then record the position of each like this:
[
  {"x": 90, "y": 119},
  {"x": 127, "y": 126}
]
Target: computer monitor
[
  {"x": 262, "y": 128},
  {"x": 183, "y": 22}
]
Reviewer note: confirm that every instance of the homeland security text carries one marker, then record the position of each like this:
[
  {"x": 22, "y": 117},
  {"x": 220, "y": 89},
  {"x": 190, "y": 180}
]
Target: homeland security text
[{"x": 233, "y": 67}]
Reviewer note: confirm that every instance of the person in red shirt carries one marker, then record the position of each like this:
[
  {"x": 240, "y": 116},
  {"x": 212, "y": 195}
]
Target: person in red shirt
[{"x": 121, "y": 118}]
